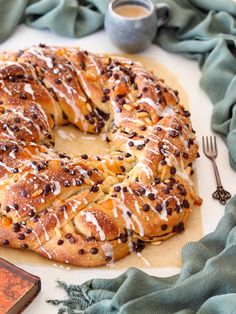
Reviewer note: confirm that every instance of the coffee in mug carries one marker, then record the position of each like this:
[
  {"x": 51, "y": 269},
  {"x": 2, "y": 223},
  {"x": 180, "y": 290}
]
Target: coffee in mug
[{"x": 132, "y": 10}]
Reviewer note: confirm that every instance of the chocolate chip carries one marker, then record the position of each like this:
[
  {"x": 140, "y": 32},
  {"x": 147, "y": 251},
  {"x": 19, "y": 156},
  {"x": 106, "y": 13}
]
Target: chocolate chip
[
  {"x": 127, "y": 155},
  {"x": 146, "y": 207},
  {"x": 125, "y": 189},
  {"x": 60, "y": 242},
  {"x": 130, "y": 143},
  {"x": 21, "y": 236},
  {"x": 67, "y": 183},
  {"x": 186, "y": 203},
  {"x": 47, "y": 189},
  {"x": 181, "y": 227},
  {"x": 4, "y": 148},
  {"x": 15, "y": 129},
  {"x": 132, "y": 134},
  {"x": 62, "y": 155},
  {"x": 23, "y": 96},
  {"x": 94, "y": 188},
  {"x": 139, "y": 147},
  {"x": 24, "y": 246},
  {"x": 177, "y": 153},
  {"x": 15, "y": 206},
  {"x": 158, "y": 207},
  {"x": 108, "y": 258},
  {"x": 79, "y": 182},
  {"x": 177, "y": 208},
  {"x": 106, "y": 91},
  {"x": 5, "y": 242},
  {"x": 143, "y": 128},
  {"x": 164, "y": 227},
  {"x": 186, "y": 155},
  {"x": 129, "y": 213},
  {"x": 34, "y": 116},
  {"x": 172, "y": 170},
  {"x": 173, "y": 133},
  {"x": 151, "y": 196},
  {"x": 82, "y": 65},
  {"x": 93, "y": 250},
  {"x": 81, "y": 251},
  {"x": 7, "y": 209},
  {"x": 169, "y": 211},
  {"x": 68, "y": 236},
  {"x": 31, "y": 213},
  {"x": 122, "y": 101},
  {"x": 24, "y": 193},
  {"x": 123, "y": 238},
  {"x": 117, "y": 188},
  {"x": 122, "y": 168},
  {"x": 163, "y": 162},
  {"x": 181, "y": 189},
  {"x": 28, "y": 230},
  {"x": 140, "y": 246},
  {"x": 16, "y": 227},
  {"x": 186, "y": 113},
  {"x": 36, "y": 218},
  {"x": 104, "y": 98},
  {"x": 84, "y": 156},
  {"x": 15, "y": 149}
]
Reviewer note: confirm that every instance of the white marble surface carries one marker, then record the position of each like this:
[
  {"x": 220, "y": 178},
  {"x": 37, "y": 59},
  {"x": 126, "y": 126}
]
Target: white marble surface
[{"x": 188, "y": 74}]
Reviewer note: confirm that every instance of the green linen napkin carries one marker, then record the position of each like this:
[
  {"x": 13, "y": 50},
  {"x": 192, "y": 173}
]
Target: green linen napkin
[
  {"x": 207, "y": 283},
  {"x": 69, "y": 18},
  {"x": 204, "y": 30}
]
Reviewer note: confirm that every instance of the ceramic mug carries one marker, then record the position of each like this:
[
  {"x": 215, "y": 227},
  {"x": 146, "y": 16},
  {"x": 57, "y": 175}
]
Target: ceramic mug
[{"x": 133, "y": 34}]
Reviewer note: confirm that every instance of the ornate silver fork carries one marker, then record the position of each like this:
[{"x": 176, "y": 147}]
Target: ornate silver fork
[{"x": 210, "y": 150}]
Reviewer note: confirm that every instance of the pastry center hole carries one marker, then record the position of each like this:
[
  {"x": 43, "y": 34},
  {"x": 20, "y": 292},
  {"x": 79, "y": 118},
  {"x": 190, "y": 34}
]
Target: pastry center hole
[{"x": 70, "y": 140}]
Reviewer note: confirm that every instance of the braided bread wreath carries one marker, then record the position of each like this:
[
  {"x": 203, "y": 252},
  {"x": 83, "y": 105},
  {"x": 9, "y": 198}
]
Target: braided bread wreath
[{"x": 91, "y": 210}]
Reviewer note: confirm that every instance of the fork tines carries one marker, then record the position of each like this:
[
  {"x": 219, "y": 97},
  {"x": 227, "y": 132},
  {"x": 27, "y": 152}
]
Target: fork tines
[{"x": 209, "y": 146}]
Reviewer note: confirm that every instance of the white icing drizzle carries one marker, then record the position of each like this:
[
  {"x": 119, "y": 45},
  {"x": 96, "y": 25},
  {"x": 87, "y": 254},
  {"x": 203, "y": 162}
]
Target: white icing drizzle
[
  {"x": 57, "y": 190},
  {"x": 108, "y": 250},
  {"x": 160, "y": 112},
  {"x": 28, "y": 89},
  {"x": 39, "y": 54},
  {"x": 140, "y": 226},
  {"x": 36, "y": 236},
  {"x": 144, "y": 259},
  {"x": 90, "y": 217},
  {"x": 46, "y": 233},
  {"x": 58, "y": 225},
  {"x": 46, "y": 252}
]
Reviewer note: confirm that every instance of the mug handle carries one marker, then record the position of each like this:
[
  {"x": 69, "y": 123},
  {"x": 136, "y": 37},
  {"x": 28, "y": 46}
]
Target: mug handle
[{"x": 163, "y": 13}]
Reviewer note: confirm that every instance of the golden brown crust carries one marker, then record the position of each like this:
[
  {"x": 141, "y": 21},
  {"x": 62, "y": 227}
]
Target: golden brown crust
[{"x": 91, "y": 210}]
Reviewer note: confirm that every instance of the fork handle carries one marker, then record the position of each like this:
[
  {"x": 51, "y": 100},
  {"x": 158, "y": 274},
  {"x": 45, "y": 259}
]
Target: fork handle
[
  {"x": 220, "y": 194},
  {"x": 217, "y": 175}
]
